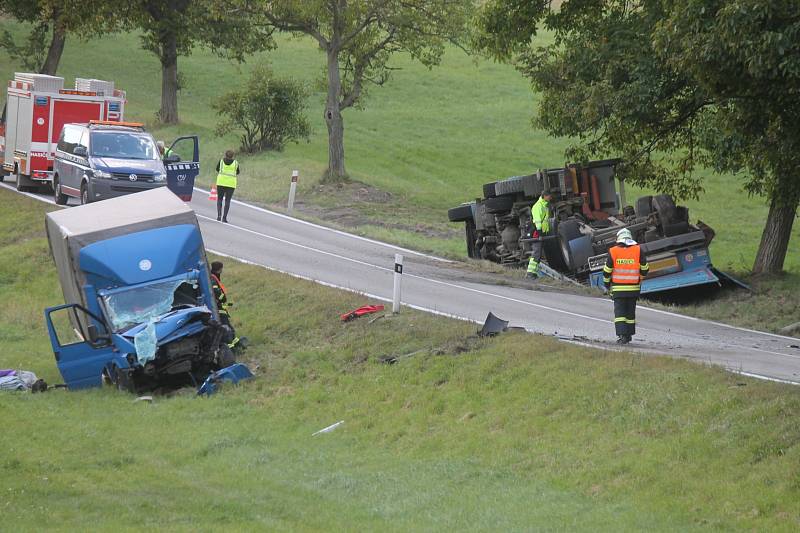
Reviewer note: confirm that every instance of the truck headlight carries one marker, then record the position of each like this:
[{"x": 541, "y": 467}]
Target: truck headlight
[
  {"x": 160, "y": 177},
  {"x": 102, "y": 174}
]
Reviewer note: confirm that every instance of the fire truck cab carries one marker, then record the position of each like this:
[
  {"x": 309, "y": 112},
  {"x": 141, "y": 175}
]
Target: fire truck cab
[{"x": 38, "y": 106}]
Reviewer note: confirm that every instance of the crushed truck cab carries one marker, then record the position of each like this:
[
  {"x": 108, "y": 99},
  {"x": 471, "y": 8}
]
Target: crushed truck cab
[{"x": 140, "y": 310}]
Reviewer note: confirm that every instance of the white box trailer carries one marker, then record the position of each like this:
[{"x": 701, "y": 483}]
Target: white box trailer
[{"x": 37, "y": 107}]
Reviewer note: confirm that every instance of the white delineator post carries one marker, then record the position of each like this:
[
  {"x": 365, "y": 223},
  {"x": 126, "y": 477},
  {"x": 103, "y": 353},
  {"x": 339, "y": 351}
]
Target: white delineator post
[
  {"x": 293, "y": 189},
  {"x": 398, "y": 276}
]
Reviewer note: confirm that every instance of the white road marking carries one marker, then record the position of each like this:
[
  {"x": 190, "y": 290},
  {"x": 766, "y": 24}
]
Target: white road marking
[
  {"x": 440, "y": 313},
  {"x": 336, "y": 231}
]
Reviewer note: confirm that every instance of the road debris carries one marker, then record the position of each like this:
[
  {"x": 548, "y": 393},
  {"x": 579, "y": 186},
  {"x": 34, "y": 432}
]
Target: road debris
[
  {"x": 492, "y": 326},
  {"x": 232, "y": 374},
  {"x": 329, "y": 428},
  {"x": 361, "y": 311}
]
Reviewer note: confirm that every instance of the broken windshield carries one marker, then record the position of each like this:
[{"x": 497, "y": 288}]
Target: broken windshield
[{"x": 141, "y": 304}]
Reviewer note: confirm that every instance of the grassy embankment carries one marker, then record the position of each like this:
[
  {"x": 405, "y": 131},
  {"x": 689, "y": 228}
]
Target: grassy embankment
[
  {"x": 425, "y": 142},
  {"x": 518, "y": 432}
]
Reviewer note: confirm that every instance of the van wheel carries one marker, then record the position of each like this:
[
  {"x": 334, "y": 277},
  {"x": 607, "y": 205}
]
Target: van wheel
[
  {"x": 59, "y": 197},
  {"x": 85, "y": 193}
]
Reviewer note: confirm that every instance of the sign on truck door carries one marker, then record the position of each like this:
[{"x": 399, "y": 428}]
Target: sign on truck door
[{"x": 182, "y": 161}]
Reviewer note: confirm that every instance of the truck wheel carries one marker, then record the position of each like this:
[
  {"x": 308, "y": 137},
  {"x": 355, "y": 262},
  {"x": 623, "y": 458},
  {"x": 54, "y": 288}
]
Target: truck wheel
[
  {"x": 499, "y": 204},
  {"x": 225, "y": 356},
  {"x": 461, "y": 213},
  {"x": 469, "y": 235},
  {"x": 644, "y": 206},
  {"x": 20, "y": 186},
  {"x": 665, "y": 207},
  {"x": 568, "y": 230},
  {"x": 552, "y": 252},
  {"x": 58, "y": 196},
  {"x": 488, "y": 190},
  {"x": 85, "y": 193}
]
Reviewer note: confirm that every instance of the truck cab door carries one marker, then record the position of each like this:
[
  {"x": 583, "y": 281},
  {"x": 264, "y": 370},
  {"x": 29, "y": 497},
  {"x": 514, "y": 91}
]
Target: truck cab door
[
  {"x": 81, "y": 344},
  {"x": 182, "y": 162}
]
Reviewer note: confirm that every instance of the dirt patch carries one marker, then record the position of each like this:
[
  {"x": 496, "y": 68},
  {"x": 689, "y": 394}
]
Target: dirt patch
[{"x": 353, "y": 204}]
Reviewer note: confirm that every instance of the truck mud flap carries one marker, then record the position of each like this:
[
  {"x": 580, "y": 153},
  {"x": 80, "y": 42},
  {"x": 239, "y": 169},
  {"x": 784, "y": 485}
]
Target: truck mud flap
[
  {"x": 727, "y": 278},
  {"x": 701, "y": 276}
]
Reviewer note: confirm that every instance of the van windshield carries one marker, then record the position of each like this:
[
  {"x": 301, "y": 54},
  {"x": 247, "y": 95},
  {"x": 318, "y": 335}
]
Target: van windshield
[
  {"x": 135, "y": 306},
  {"x": 123, "y": 145}
]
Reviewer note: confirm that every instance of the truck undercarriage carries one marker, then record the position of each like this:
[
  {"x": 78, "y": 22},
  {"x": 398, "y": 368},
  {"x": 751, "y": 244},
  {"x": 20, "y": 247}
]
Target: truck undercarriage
[{"x": 587, "y": 211}]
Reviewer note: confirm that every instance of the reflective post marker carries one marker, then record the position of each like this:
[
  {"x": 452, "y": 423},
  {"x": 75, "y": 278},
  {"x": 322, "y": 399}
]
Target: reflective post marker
[
  {"x": 293, "y": 189},
  {"x": 398, "y": 274}
]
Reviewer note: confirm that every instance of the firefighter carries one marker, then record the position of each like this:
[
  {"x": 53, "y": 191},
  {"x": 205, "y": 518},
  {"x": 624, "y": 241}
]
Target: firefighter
[
  {"x": 625, "y": 267},
  {"x": 228, "y": 170},
  {"x": 221, "y": 296},
  {"x": 540, "y": 216}
]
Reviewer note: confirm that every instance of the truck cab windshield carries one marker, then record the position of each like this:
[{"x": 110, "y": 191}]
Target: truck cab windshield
[
  {"x": 123, "y": 145},
  {"x": 142, "y": 304}
]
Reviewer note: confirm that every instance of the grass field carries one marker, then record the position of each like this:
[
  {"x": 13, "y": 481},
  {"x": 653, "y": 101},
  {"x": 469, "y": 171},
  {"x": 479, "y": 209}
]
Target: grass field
[
  {"x": 428, "y": 140},
  {"x": 519, "y": 432}
]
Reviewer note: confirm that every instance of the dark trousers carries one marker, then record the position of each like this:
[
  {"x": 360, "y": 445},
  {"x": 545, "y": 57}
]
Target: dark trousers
[
  {"x": 224, "y": 193},
  {"x": 625, "y": 314}
]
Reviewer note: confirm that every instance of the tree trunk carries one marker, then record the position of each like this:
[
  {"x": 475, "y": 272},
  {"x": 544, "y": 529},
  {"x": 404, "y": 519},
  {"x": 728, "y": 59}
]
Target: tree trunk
[
  {"x": 334, "y": 120},
  {"x": 168, "y": 114},
  {"x": 55, "y": 50},
  {"x": 776, "y": 235}
]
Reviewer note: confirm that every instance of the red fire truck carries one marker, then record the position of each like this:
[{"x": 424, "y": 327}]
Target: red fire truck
[{"x": 37, "y": 108}]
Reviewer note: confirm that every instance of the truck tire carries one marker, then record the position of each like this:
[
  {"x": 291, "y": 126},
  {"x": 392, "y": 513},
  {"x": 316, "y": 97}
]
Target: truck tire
[
  {"x": 470, "y": 236},
  {"x": 59, "y": 197},
  {"x": 568, "y": 230},
  {"x": 676, "y": 228},
  {"x": 499, "y": 204},
  {"x": 225, "y": 356},
  {"x": 551, "y": 250},
  {"x": 20, "y": 186},
  {"x": 665, "y": 207},
  {"x": 509, "y": 186},
  {"x": 488, "y": 190},
  {"x": 644, "y": 206},
  {"x": 461, "y": 213}
]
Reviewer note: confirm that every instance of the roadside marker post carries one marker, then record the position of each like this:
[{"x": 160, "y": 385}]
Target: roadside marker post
[
  {"x": 293, "y": 189},
  {"x": 398, "y": 276}
]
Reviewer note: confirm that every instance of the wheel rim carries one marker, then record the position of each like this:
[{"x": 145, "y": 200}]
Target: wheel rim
[{"x": 84, "y": 196}]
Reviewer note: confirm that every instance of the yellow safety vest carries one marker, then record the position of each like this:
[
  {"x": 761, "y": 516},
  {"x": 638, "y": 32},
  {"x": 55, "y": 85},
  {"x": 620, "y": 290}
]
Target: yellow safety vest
[{"x": 227, "y": 174}]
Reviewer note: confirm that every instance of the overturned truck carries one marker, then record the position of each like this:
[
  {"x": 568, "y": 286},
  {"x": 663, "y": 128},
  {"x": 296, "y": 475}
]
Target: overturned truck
[
  {"x": 588, "y": 209},
  {"x": 139, "y": 309}
]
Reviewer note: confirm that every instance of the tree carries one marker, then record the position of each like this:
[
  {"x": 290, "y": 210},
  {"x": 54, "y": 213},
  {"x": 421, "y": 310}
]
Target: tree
[
  {"x": 52, "y": 20},
  {"x": 268, "y": 110},
  {"x": 173, "y": 27},
  {"x": 358, "y": 38},
  {"x": 669, "y": 85}
]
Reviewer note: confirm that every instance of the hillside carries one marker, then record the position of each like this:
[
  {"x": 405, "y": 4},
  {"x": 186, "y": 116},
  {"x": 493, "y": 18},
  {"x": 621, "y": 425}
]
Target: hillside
[{"x": 425, "y": 142}]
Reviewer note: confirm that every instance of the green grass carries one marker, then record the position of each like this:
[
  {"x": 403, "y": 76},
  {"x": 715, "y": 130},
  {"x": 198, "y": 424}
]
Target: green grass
[
  {"x": 517, "y": 432},
  {"x": 430, "y": 138}
]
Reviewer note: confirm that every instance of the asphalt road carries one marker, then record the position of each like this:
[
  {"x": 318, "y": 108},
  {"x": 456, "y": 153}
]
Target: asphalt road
[{"x": 342, "y": 260}]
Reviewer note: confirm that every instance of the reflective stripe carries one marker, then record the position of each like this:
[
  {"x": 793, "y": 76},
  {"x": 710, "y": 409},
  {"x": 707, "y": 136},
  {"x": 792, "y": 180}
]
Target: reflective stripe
[
  {"x": 625, "y": 288},
  {"x": 606, "y": 268},
  {"x": 627, "y": 321},
  {"x": 621, "y": 319},
  {"x": 645, "y": 266}
]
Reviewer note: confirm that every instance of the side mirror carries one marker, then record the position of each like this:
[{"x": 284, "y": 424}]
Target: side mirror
[
  {"x": 172, "y": 158},
  {"x": 94, "y": 336},
  {"x": 80, "y": 151}
]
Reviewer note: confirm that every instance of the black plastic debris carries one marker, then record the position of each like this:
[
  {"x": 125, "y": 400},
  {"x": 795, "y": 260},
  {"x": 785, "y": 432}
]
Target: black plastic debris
[{"x": 492, "y": 326}]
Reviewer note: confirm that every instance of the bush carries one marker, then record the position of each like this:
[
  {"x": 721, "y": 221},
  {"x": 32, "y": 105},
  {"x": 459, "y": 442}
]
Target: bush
[{"x": 267, "y": 112}]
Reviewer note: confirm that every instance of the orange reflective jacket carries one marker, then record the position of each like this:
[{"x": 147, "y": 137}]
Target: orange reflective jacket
[{"x": 625, "y": 264}]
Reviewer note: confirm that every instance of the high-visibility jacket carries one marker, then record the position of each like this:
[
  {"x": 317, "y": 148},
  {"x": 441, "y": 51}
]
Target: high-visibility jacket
[
  {"x": 220, "y": 294},
  {"x": 540, "y": 215},
  {"x": 227, "y": 174},
  {"x": 624, "y": 269}
]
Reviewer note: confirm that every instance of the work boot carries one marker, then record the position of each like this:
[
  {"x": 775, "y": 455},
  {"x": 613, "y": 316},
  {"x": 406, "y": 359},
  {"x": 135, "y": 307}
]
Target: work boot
[
  {"x": 225, "y": 220},
  {"x": 531, "y": 275},
  {"x": 219, "y": 217},
  {"x": 623, "y": 339}
]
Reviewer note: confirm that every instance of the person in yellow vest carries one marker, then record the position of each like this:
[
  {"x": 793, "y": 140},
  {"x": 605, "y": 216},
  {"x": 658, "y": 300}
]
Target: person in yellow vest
[
  {"x": 625, "y": 267},
  {"x": 227, "y": 172},
  {"x": 540, "y": 226}
]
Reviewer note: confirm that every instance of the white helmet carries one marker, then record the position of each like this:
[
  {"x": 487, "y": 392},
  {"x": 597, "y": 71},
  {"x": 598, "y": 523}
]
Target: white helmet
[{"x": 624, "y": 235}]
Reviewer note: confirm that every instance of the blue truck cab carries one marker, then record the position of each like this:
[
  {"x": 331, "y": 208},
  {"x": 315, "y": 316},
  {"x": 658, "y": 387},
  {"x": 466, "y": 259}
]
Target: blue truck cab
[{"x": 139, "y": 307}]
